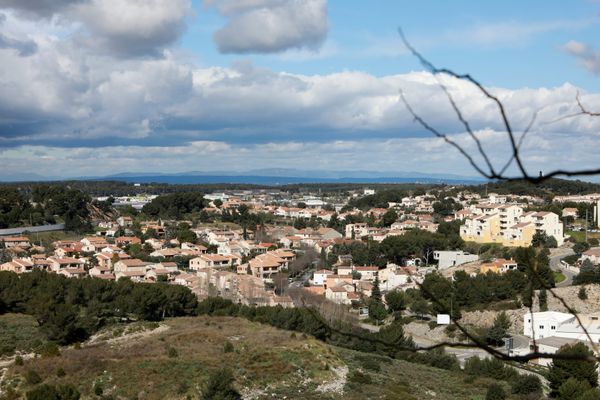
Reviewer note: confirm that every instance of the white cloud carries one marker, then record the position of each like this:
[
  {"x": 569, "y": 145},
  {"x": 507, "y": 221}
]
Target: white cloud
[
  {"x": 133, "y": 27},
  {"x": 270, "y": 26},
  {"x": 125, "y": 28},
  {"x": 38, "y": 8},
  {"x": 588, "y": 57},
  {"x": 513, "y": 33},
  {"x": 424, "y": 155},
  {"x": 127, "y": 110}
]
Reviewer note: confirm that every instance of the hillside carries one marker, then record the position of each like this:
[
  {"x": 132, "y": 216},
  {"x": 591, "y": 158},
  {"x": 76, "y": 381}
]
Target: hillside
[{"x": 174, "y": 360}]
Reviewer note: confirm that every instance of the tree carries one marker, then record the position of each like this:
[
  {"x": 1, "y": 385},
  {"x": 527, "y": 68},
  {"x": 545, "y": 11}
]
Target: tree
[
  {"x": 445, "y": 207},
  {"x": 420, "y": 307},
  {"x": 592, "y": 394},
  {"x": 376, "y": 292},
  {"x": 580, "y": 247},
  {"x": 539, "y": 239},
  {"x": 377, "y": 310},
  {"x": 543, "y": 300},
  {"x": 582, "y": 294},
  {"x": 389, "y": 217},
  {"x": 588, "y": 273},
  {"x": 220, "y": 386},
  {"x": 498, "y": 331},
  {"x": 572, "y": 389},
  {"x": 395, "y": 300},
  {"x": 580, "y": 369},
  {"x": 184, "y": 234}
]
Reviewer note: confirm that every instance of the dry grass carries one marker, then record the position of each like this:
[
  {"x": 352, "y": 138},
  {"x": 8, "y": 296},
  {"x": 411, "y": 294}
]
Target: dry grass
[
  {"x": 267, "y": 363},
  {"x": 19, "y": 333}
]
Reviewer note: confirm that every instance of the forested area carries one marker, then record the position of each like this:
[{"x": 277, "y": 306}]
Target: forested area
[
  {"x": 70, "y": 310},
  {"x": 477, "y": 292},
  {"x": 175, "y": 205},
  {"x": 555, "y": 186},
  {"x": 120, "y": 188},
  {"x": 43, "y": 204}
]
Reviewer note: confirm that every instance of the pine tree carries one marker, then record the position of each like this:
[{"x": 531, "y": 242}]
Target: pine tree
[
  {"x": 543, "y": 300},
  {"x": 376, "y": 292}
]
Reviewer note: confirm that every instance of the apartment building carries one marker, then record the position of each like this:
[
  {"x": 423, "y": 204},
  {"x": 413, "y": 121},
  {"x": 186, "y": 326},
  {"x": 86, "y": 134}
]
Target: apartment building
[{"x": 508, "y": 225}]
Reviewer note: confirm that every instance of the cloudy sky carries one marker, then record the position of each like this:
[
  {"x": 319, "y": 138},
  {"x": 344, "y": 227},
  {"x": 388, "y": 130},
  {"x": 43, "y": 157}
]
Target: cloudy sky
[{"x": 95, "y": 87}]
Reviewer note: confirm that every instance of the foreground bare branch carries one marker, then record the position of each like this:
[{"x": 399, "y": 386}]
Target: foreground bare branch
[{"x": 515, "y": 144}]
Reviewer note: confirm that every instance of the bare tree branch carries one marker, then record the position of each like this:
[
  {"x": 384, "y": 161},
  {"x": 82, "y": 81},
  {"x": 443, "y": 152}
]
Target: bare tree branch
[
  {"x": 514, "y": 144},
  {"x": 583, "y": 109}
]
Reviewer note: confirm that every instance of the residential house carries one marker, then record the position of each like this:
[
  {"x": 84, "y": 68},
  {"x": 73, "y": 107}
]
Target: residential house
[
  {"x": 11, "y": 242},
  {"x": 593, "y": 255},
  {"x": 498, "y": 266},
  {"x": 447, "y": 259},
  {"x": 213, "y": 261},
  {"x": 58, "y": 263}
]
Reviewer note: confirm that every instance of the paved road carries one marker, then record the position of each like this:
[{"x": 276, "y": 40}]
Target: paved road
[
  {"x": 555, "y": 256},
  {"x": 299, "y": 282}
]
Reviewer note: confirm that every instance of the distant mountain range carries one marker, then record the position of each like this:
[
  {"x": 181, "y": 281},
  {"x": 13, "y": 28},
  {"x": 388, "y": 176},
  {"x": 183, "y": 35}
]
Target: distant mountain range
[
  {"x": 281, "y": 176},
  {"x": 270, "y": 176}
]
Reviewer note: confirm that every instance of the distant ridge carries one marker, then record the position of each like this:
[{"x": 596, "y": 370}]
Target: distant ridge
[
  {"x": 268, "y": 176},
  {"x": 276, "y": 180}
]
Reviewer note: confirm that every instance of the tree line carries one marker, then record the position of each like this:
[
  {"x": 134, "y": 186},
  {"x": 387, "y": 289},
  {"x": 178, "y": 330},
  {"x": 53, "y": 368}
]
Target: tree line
[
  {"x": 70, "y": 310},
  {"x": 43, "y": 204}
]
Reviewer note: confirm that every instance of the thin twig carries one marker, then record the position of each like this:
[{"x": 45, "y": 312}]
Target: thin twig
[{"x": 515, "y": 145}]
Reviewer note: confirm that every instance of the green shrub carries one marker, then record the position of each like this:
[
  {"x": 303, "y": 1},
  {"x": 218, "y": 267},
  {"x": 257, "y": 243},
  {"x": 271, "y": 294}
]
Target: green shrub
[
  {"x": 49, "y": 392},
  {"x": 526, "y": 384},
  {"x": 369, "y": 362},
  {"x": 98, "y": 389},
  {"x": 172, "y": 352},
  {"x": 592, "y": 394},
  {"x": 435, "y": 358},
  {"x": 43, "y": 392},
  {"x": 220, "y": 386},
  {"x": 495, "y": 392},
  {"x": 228, "y": 347},
  {"x": 572, "y": 389},
  {"x": 490, "y": 368},
  {"x": 32, "y": 377},
  {"x": 60, "y": 372},
  {"x": 360, "y": 378},
  {"x": 50, "y": 350},
  {"x": 19, "y": 361}
]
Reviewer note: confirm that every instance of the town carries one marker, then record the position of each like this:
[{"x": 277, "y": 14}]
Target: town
[{"x": 366, "y": 256}]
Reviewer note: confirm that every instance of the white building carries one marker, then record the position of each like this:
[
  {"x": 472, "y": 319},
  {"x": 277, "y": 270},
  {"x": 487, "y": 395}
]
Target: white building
[
  {"x": 551, "y": 323},
  {"x": 447, "y": 259},
  {"x": 320, "y": 277},
  {"x": 543, "y": 324}
]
